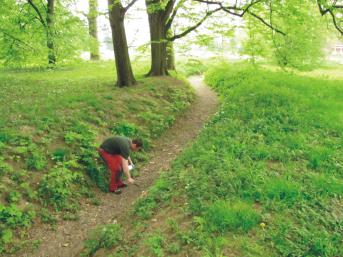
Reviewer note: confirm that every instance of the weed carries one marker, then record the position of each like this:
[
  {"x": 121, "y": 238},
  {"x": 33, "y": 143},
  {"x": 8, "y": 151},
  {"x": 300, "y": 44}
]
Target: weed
[
  {"x": 124, "y": 128},
  {"x": 156, "y": 244},
  {"x": 60, "y": 155},
  {"x": 55, "y": 187},
  {"x": 12, "y": 217},
  {"x": 105, "y": 236},
  {"x": 47, "y": 217},
  {"x": 223, "y": 216},
  {"x": 281, "y": 189},
  {"x": 13, "y": 197}
]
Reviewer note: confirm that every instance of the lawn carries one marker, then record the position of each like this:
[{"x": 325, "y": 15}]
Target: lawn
[{"x": 264, "y": 178}]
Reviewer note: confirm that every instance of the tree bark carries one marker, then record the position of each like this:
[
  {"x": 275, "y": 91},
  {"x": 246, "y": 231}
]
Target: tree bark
[
  {"x": 93, "y": 28},
  {"x": 170, "y": 54},
  {"x": 158, "y": 45},
  {"x": 157, "y": 24},
  {"x": 50, "y": 31},
  {"x": 122, "y": 59}
]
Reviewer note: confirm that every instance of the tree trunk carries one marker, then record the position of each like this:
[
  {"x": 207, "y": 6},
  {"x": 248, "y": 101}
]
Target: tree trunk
[
  {"x": 158, "y": 45},
  {"x": 93, "y": 28},
  {"x": 124, "y": 71},
  {"x": 50, "y": 31},
  {"x": 157, "y": 23},
  {"x": 170, "y": 54}
]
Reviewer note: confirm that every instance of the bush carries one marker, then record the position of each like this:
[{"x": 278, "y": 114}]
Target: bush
[
  {"x": 55, "y": 187},
  {"x": 12, "y": 217}
]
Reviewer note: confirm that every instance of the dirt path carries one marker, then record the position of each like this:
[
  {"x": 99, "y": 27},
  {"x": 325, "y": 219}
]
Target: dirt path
[{"x": 67, "y": 240}]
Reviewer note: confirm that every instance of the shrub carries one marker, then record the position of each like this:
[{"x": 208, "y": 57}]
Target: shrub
[
  {"x": 55, "y": 187},
  {"x": 12, "y": 217}
]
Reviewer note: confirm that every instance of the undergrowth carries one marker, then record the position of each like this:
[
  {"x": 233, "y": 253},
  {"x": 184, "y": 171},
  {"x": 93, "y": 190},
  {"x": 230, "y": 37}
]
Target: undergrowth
[{"x": 51, "y": 124}]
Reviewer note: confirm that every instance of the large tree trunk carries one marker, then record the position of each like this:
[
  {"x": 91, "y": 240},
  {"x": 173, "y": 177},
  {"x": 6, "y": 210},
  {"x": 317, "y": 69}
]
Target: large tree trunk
[
  {"x": 124, "y": 71},
  {"x": 50, "y": 31},
  {"x": 93, "y": 28},
  {"x": 158, "y": 45},
  {"x": 157, "y": 23}
]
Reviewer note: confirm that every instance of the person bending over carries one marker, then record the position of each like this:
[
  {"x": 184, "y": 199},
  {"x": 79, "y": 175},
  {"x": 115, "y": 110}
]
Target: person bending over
[{"x": 115, "y": 151}]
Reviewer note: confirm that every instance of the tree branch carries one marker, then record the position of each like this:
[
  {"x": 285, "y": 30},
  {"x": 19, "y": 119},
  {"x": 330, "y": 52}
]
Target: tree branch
[
  {"x": 171, "y": 19},
  {"x": 190, "y": 29},
  {"x": 231, "y": 9},
  {"x": 324, "y": 11},
  {"x": 168, "y": 9},
  {"x": 17, "y": 39},
  {"x": 38, "y": 12},
  {"x": 335, "y": 22},
  {"x": 129, "y": 5},
  {"x": 267, "y": 24}
]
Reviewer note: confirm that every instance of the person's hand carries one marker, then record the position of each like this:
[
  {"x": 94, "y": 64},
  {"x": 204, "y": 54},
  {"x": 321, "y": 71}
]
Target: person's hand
[{"x": 131, "y": 180}]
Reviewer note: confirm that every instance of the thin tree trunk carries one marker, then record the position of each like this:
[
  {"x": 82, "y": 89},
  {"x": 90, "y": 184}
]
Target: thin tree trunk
[
  {"x": 123, "y": 64},
  {"x": 50, "y": 31},
  {"x": 93, "y": 28}
]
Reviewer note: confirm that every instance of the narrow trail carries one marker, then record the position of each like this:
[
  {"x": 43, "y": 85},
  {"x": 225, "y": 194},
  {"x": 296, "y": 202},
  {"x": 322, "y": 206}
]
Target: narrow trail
[{"x": 67, "y": 239}]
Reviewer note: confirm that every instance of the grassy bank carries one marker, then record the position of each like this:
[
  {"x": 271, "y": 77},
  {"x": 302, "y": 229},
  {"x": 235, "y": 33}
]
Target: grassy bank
[
  {"x": 265, "y": 177},
  {"x": 50, "y": 125}
]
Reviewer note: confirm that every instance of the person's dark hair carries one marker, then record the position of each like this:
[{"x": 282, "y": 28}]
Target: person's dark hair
[{"x": 138, "y": 142}]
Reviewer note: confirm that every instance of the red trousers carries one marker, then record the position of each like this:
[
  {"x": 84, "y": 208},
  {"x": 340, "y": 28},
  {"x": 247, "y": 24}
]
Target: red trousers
[{"x": 114, "y": 164}]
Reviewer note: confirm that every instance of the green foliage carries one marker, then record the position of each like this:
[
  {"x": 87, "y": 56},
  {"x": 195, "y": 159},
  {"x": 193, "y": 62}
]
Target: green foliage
[
  {"x": 271, "y": 156},
  {"x": 23, "y": 38},
  {"x": 55, "y": 188},
  {"x": 47, "y": 217},
  {"x": 223, "y": 216},
  {"x": 55, "y": 115},
  {"x": 105, "y": 236},
  {"x": 12, "y": 217},
  {"x": 13, "y": 197},
  {"x": 156, "y": 244},
  {"x": 280, "y": 189},
  {"x": 125, "y": 129},
  {"x": 192, "y": 67},
  {"x": 36, "y": 160},
  {"x": 161, "y": 192},
  {"x": 60, "y": 155},
  {"x": 301, "y": 48}
]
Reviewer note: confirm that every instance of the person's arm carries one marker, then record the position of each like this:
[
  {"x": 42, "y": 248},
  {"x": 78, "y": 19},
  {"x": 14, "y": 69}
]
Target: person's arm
[{"x": 125, "y": 165}]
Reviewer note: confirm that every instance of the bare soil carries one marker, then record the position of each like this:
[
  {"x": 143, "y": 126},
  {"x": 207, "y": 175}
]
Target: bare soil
[{"x": 67, "y": 239}]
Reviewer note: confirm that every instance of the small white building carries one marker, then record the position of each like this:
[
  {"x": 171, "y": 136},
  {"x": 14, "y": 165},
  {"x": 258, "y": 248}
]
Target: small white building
[{"x": 337, "y": 49}]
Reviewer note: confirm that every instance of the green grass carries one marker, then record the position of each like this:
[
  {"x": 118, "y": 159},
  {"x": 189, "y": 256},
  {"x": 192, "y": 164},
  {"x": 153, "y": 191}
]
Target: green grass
[
  {"x": 51, "y": 123},
  {"x": 266, "y": 173}
]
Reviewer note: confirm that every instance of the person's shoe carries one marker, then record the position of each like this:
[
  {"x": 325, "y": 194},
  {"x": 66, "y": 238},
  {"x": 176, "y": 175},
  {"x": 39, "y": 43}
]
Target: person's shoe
[{"x": 117, "y": 191}]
